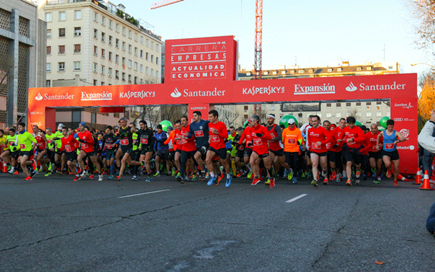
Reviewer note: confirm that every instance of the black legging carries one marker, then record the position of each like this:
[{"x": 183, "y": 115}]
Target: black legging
[{"x": 291, "y": 158}]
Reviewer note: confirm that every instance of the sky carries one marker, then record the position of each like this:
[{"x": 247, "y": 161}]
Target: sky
[{"x": 311, "y": 33}]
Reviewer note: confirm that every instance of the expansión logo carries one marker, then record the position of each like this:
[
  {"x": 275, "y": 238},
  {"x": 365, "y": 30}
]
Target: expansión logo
[
  {"x": 176, "y": 93},
  {"x": 351, "y": 87},
  {"x": 96, "y": 96}
]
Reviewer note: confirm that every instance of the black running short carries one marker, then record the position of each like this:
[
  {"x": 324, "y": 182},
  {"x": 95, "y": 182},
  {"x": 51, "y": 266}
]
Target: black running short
[
  {"x": 278, "y": 153},
  {"x": 394, "y": 155},
  {"x": 222, "y": 152}
]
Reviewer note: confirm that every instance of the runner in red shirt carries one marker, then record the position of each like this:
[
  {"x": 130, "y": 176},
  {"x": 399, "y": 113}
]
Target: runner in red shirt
[
  {"x": 87, "y": 150},
  {"x": 352, "y": 138},
  {"x": 330, "y": 153},
  {"x": 178, "y": 146},
  {"x": 69, "y": 146},
  {"x": 217, "y": 135},
  {"x": 260, "y": 151},
  {"x": 335, "y": 161},
  {"x": 246, "y": 140},
  {"x": 188, "y": 149},
  {"x": 276, "y": 147},
  {"x": 375, "y": 153},
  {"x": 41, "y": 147},
  {"x": 318, "y": 137}
]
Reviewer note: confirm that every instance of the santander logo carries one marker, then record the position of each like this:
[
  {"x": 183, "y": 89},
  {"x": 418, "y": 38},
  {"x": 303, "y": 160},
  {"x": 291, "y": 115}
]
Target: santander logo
[
  {"x": 351, "y": 87},
  {"x": 39, "y": 97},
  {"x": 176, "y": 93}
]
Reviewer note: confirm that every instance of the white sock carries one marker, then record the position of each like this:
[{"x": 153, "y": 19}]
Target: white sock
[
  {"x": 212, "y": 174},
  {"x": 228, "y": 176}
]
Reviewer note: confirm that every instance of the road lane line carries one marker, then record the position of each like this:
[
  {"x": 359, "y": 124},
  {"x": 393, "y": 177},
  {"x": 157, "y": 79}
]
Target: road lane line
[
  {"x": 295, "y": 198},
  {"x": 146, "y": 193}
]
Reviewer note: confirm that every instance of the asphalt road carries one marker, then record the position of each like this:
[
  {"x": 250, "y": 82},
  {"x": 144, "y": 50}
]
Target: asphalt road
[{"x": 54, "y": 224}]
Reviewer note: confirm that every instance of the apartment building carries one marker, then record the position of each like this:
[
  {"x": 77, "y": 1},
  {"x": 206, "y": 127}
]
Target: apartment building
[{"x": 98, "y": 42}]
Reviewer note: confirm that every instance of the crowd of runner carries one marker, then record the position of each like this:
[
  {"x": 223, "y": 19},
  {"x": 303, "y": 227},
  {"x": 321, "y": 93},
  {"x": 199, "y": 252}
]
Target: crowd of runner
[{"x": 207, "y": 150}]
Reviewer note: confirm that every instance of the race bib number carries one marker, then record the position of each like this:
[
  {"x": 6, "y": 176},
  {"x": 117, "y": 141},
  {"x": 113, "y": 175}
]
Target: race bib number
[
  {"x": 49, "y": 141},
  {"x": 389, "y": 146},
  {"x": 199, "y": 133},
  {"x": 214, "y": 139},
  {"x": 291, "y": 141},
  {"x": 241, "y": 147},
  {"x": 84, "y": 146},
  {"x": 40, "y": 144},
  {"x": 109, "y": 146},
  {"x": 68, "y": 148},
  {"x": 315, "y": 146},
  {"x": 328, "y": 146},
  {"x": 22, "y": 146},
  {"x": 258, "y": 142},
  {"x": 143, "y": 141},
  {"x": 124, "y": 141}
]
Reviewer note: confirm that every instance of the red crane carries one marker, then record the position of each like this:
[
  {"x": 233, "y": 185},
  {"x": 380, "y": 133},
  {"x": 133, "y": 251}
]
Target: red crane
[{"x": 258, "y": 37}]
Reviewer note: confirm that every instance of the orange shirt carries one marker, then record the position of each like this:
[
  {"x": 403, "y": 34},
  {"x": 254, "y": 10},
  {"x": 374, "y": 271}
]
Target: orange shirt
[
  {"x": 171, "y": 137},
  {"x": 291, "y": 139}
]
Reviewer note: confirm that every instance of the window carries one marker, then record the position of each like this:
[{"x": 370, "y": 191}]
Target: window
[
  {"x": 340, "y": 69},
  {"x": 61, "y": 49},
  {"x": 110, "y": 40},
  {"x": 77, "y": 14},
  {"x": 300, "y": 115},
  {"x": 147, "y": 71},
  {"x": 369, "y": 68},
  {"x": 328, "y": 105},
  {"x": 358, "y": 68},
  {"x": 95, "y": 67},
  {"x": 157, "y": 60},
  {"x": 110, "y": 24},
  {"x": 123, "y": 31},
  {"x": 152, "y": 72},
  {"x": 103, "y": 20},
  {"x": 117, "y": 43},
  {"x": 135, "y": 66},
  {"x": 129, "y": 64},
  {"x": 77, "y": 31},
  {"x": 245, "y": 117},
  {"x": 348, "y": 104},
  {"x": 117, "y": 74},
  {"x": 103, "y": 37},
  {"x": 135, "y": 37},
  {"x": 157, "y": 74},
  {"x": 390, "y": 67},
  {"x": 358, "y": 114},
  {"x": 152, "y": 45},
  {"x": 152, "y": 59},
  {"x": 95, "y": 82},
  {"x": 358, "y": 104},
  {"x": 110, "y": 56},
  {"x": 157, "y": 47},
  {"x": 61, "y": 32},
  {"x": 77, "y": 65},
  {"x": 368, "y": 103},
  {"x": 378, "y": 113},
  {"x": 48, "y": 17},
  {"x": 103, "y": 53},
  {"x": 129, "y": 34},
  {"x": 368, "y": 114},
  {"x": 245, "y": 108},
  {"x": 146, "y": 56},
  {"x": 141, "y": 53},
  {"x": 129, "y": 79},
  {"x": 141, "y": 39},
  {"x": 102, "y": 69},
  {"x": 135, "y": 80},
  {"x": 62, "y": 15},
  {"x": 272, "y": 107},
  {"x": 48, "y": 50},
  {"x": 301, "y": 71},
  {"x": 123, "y": 46},
  {"x": 117, "y": 58},
  {"x": 48, "y": 33},
  {"x": 61, "y": 66},
  {"x": 95, "y": 33},
  {"x": 147, "y": 42},
  {"x": 338, "y": 105},
  {"x": 95, "y": 50},
  {"x": 141, "y": 68},
  {"x": 102, "y": 84},
  {"x": 48, "y": 67},
  {"x": 48, "y": 83},
  {"x": 378, "y": 103},
  {"x": 329, "y": 70},
  {"x": 328, "y": 114},
  {"x": 338, "y": 114},
  {"x": 117, "y": 28},
  {"x": 135, "y": 51},
  {"x": 123, "y": 62},
  {"x": 96, "y": 17},
  {"x": 94, "y": 116},
  {"x": 110, "y": 72},
  {"x": 130, "y": 48},
  {"x": 77, "y": 48},
  {"x": 123, "y": 76}
]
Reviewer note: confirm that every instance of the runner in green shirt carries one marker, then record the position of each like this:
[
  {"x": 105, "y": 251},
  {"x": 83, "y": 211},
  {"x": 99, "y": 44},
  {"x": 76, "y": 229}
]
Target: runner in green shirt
[
  {"x": 11, "y": 155},
  {"x": 27, "y": 143},
  {"x": 49, "y": 135}
]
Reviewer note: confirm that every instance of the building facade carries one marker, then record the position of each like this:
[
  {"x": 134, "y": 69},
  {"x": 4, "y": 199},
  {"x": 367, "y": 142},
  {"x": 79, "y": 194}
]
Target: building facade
[
  {"x": 22, "y": 58},
  {"x": 366, "y": 112},
  {"x": 100, "y": 44}
]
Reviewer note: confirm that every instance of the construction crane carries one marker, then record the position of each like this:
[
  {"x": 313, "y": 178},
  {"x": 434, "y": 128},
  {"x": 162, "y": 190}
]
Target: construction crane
[{"x": 258, "y": 38}]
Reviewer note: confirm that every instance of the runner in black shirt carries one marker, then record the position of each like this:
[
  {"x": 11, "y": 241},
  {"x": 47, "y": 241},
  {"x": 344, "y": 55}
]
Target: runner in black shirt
[
  {"x": 146, "y": 141},
  {"x": 125, "y": 147},
  {"x": 109, "y": 146}
]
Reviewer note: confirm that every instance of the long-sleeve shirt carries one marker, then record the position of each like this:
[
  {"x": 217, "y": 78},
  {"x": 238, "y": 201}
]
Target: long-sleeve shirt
[
  {"x": 88, "y": 145},
  {"x": 217, "y": 141},
  {"x": 200, "y": 131},
  {"x": 315, "y": 135},
  {"x": 171, "y": 138},
  {"x": 25, "y": 139},
  {"x": 354, "y": 133},
  {"x": 69, "y": 144},
  {"x": 425, "y": 138},
  {"x": 160, "y": 140},
  {"x": 259, "y": 143}
]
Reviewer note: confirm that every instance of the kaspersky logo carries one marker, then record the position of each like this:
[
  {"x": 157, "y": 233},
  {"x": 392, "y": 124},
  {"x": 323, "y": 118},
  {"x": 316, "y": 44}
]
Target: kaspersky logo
[
  {"x": 39, "y": 97},
  {"x": 351, "y": 87},
  {"x": 176, "y": 93}
]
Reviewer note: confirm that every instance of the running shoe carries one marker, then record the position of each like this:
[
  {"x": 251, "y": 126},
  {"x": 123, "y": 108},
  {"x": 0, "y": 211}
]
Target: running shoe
[
  {"x": 33, "y": 173},
  {"x": 379, "y": 178},
  {"x": 211, "y": 180},
  {"x": 29, "y": 178},
  {"x": 228, "y": 182},
  {"x": 48, "y": 174},
  {"x": 314, "y": 183},
  {"x": 376, "y": 181},
  {"x": 348, "y": 183},
  {"x": 222, "y": 174},
  {"x": 157, "y": 174},
  {"x": 324, "y": 173},
  {"x": 50, "y": 166},
  {"x": 111, "y": 177},
  {"x": 290, "y": 175},
  {"x": 104, "y": 173},
  {"x": 333, "y": 176},
  {"x": 149, "y": 179},
  {"x": 240, "y": 174},
  {"x": 77, "y": 178},
  {"x": 100, "y": 177},
  {"x": 357, "y": 181},
  {"x": 201, "y": 176},
  {"x": 84, "y": 173},
  {"x": 256, "y": 181},
  {"x": 267, "y": 182},
  {"x": 16, "y": 172},
  {"x": 173, "y": 172},
  {"x": 34, "y": 164},
  {"x": 118, "y": 179},
  {"x": 295, "y": 180},
  {"x": 250, "y": 175},
  {"x": 395, "y": 183},
  {"x": 11, "y": 171},
  {"x": 303, "y": 174},
  {"x": 207, "y": 175},
  {"x": 325, "y": 181},
  {"x": 218, "y": 180},
  {"x": 272, "y": 182},
  {"x": 178, "y": 175},
  {"x": 91, "y": 176},
  {"x": 338, "y": 179},
  {"x": 388, "y": 174},
  {"x": 358, "y": 174}
]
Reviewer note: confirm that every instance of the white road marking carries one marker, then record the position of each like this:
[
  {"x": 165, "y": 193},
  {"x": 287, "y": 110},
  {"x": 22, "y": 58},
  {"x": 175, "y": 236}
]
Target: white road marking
[
  {"x": 146, "y": 193},
  {"x": 295, "y": 198}
]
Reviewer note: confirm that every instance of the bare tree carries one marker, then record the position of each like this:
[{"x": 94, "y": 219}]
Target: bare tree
[
  {"x": 228, "y": 117},
  {"x": 424, "y": 13},
  {"x": 172, "y": 113}
]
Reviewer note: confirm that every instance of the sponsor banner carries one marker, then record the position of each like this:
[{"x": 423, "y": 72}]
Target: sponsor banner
[
  {"x": 200, "y": 59},
  {"x": 203, "y": 108}
]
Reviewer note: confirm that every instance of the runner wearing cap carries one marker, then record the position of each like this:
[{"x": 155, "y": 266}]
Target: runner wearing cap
[
  {"x": 87, "y": 150},
  {"x": 292, "y": 139},
  {"x": 275, "y": 145}
]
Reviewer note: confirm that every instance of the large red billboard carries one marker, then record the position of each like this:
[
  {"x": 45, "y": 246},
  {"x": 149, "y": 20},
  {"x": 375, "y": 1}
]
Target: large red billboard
[{"x": 199, "y": 92}]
